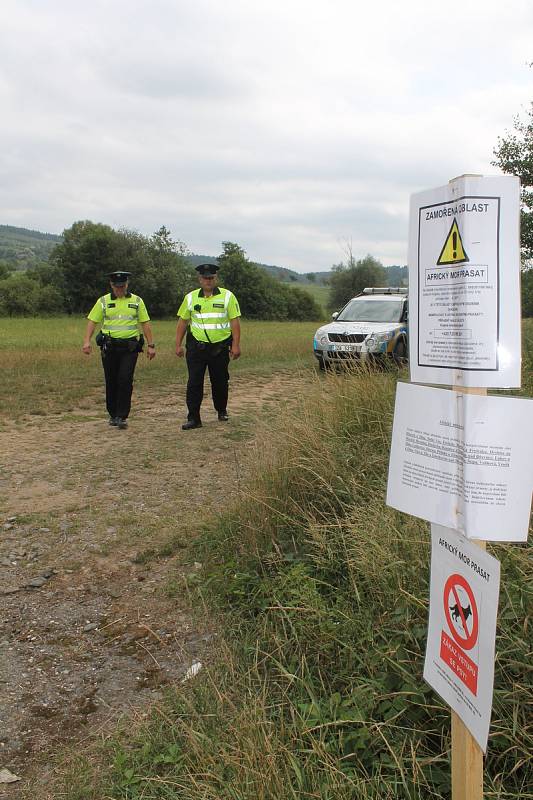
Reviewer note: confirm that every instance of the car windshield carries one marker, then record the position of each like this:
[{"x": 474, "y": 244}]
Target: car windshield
[{"x": 363, "y": 309}]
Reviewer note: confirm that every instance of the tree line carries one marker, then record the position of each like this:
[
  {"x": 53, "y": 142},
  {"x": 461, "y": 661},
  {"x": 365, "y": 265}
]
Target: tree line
[{"x": 77, "y": 270}]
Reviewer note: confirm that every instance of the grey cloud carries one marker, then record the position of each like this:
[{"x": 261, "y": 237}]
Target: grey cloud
[
  {"x": 189, "y": 79},
  {"x": 225, "y": 121}
]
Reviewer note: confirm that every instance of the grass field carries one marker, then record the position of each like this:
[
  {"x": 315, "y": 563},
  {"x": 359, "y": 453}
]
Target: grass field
[
  {"x": 319, "y": 293},
  {"x": 44, "y": 370}
]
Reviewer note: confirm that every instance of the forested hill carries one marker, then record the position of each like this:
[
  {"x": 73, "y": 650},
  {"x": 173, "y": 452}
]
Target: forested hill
[
  {"x": 21, "y": 248},
  {"x": 25, "y": 234}
]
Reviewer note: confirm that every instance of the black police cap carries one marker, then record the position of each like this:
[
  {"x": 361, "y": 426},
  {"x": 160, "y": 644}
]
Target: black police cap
[
  {"x": 119, "y": 278},
  {"x": 207, "y": 269}
]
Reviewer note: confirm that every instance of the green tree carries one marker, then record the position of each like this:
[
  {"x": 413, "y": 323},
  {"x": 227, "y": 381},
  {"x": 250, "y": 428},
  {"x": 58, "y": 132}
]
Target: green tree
[
  {"x": 5, "y": 270},
  {"x": 18, "y": 296},
  {"x": 80, "y": 265},
  {"x": 50, "y": 301},
  {"x": 166, "y": 274},
  {"x": 260, "y": 295},
  {"x": 22, "y": 295},
  {"x": 246, "y": 280},
  {"x": 311, "y": 277},
  {"x": 397, "y": 275},
  {"x": 527, "y": 292},
  {"x": 50, "y": 278},
  {"x": 88, "y": 252},
  {"x": 514, "y": 155},
  {"x": 351, "y": 278}
]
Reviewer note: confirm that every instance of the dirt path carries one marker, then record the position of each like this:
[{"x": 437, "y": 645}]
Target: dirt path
[{"x": 94, "y": 528}]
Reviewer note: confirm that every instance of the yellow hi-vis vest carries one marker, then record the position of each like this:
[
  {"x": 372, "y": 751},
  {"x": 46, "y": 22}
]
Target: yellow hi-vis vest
[
  {"x": 211, "y": 321},
  {"x": 119, "y": 316}
]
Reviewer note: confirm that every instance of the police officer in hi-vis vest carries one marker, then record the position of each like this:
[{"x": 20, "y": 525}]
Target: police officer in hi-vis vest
[
  {"x": 210, "y": 317},
  {"x": 120, "y": 315}
]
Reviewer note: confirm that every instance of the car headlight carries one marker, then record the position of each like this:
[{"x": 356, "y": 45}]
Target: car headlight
[
  {"x": 323, "y": 339},
  {"x": 376, "y": 339}
]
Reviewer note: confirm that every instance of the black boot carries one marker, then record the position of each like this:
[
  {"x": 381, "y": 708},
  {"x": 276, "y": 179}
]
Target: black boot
[{"x": 190, "y": 424}]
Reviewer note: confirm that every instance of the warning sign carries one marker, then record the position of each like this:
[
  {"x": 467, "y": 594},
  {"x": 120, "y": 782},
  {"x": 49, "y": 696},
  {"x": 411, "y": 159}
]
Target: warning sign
[
  {"x": 461, "y": 614},
  {"x": 453, "y": 251},
  {"x": 457, "y": 591},
  {"x": 459, "y": 663},
  {"x": 464, "y": 283}
]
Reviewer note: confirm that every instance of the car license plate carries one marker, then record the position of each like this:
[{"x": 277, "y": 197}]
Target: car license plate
[{"x": 346, "y": 348}]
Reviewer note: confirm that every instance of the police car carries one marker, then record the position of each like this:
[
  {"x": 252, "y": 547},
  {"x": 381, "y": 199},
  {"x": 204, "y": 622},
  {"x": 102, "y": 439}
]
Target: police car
[{"x": 371, "y": 325}]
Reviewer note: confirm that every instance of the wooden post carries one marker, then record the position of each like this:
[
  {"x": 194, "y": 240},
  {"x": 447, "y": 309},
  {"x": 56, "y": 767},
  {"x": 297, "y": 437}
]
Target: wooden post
[
  {"x": 467, "y": 763},
  {"x": 467, "y": 755}
]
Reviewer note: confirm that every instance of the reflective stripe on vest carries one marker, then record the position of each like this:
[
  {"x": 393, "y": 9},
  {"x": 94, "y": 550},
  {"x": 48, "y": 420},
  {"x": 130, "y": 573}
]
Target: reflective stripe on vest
[
  {"x": 109, "y": 320},
  {"x": 216, "y": 326}
]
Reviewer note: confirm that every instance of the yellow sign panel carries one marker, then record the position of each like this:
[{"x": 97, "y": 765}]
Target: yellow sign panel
[{"x": 453, "y": 251}]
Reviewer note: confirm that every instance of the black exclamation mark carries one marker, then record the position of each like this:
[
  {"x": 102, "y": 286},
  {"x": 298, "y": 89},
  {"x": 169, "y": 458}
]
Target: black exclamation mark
[{"x": 454, "y": 239}]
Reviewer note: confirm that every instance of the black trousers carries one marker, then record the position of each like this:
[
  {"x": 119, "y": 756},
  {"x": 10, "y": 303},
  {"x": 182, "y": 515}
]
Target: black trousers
[
  {"x": 119, "y": 365},
  {"x": 215, "y": 358}
]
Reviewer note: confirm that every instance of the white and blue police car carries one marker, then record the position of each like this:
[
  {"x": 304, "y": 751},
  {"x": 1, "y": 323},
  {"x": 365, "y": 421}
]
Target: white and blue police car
[{"x": 371, "y": 325}]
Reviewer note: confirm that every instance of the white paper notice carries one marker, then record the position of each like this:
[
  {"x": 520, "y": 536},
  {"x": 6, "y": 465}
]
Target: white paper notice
[
  {"x": 464, "y": 276},
  {"x": 463, "y": 606},
  {"x": 463, "y": 461}
]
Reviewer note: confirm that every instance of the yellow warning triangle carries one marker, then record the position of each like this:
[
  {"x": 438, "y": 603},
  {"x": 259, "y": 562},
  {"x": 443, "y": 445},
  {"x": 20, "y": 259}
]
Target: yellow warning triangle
[{"x": 453, "y": 251}]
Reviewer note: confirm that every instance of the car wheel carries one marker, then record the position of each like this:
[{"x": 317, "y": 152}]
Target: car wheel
[{"x": 400, "y": 352}]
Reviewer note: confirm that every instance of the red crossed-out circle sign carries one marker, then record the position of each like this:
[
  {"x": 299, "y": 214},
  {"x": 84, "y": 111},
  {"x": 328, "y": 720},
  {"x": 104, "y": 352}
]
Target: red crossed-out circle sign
[{"x": 457, "y": 614}]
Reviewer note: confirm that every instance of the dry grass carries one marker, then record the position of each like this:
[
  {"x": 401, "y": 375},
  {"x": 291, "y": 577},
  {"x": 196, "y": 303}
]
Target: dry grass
[{"x": 315, "y": 690}]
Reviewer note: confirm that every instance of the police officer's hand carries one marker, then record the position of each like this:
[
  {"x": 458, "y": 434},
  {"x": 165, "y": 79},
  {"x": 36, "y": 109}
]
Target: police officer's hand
[
  {"x": 235, "y": 351},
  {"x": 150, "y": 353},
  {"x": 180, "y": 351},
  {"x": 87, "y": 348}
]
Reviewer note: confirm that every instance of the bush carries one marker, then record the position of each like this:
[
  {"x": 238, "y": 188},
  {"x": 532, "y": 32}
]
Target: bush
[
  {"x": 24, "y": 297},
  {"x": 21, "y": 295}
]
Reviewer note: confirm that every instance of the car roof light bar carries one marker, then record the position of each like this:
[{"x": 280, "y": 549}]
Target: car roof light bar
[{"x": 385, "y": 290}]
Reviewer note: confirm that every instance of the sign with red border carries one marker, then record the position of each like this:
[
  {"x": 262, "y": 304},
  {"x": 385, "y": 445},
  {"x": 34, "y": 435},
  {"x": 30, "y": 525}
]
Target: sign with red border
[
  {"x": 457, "y": 614},
  {"x": 461, "y": 614},
  {"x": 459, "y": 663}
]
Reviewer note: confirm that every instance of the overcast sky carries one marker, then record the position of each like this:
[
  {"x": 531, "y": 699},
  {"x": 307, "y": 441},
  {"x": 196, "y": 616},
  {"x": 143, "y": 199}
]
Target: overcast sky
[{"x": 296, "y": 128}]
